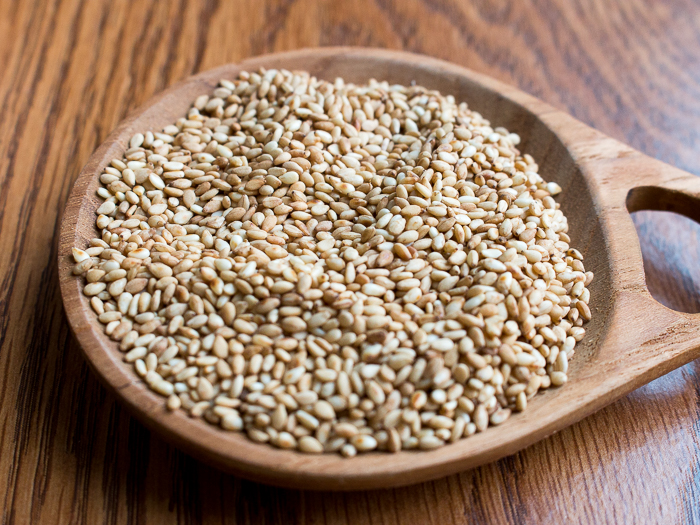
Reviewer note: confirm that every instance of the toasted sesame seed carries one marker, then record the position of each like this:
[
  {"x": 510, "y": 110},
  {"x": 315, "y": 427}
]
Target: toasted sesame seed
[
  {"x": 333, "y": 267},
  {"x": 310, "y": 445}
]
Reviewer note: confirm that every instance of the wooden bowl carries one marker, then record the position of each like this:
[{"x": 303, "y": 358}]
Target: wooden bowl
[{"x": 631, "y": 340}]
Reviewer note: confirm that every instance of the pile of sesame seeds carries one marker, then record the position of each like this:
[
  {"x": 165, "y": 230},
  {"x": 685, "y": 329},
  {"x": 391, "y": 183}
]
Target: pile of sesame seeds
[{"x": 330, "y": 267}]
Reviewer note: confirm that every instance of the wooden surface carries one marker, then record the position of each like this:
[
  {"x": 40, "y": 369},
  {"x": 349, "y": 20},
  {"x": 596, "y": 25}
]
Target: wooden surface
[
  {"x": 630, "y": 341},
  {"x": 71, "y": 71}
]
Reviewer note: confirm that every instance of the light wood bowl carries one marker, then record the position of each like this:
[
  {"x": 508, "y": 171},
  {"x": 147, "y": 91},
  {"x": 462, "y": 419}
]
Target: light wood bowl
[{"x": 631, "y": 340}]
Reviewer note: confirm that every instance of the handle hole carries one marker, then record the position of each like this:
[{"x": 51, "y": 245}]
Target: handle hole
[
  {"x": 670, "y": 245},
  {"x": 663, "y": 199}
]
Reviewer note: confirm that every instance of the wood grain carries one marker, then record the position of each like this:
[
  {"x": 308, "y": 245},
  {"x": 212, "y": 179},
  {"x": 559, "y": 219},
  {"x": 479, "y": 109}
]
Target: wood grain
[{"x": 72, "y": 70}]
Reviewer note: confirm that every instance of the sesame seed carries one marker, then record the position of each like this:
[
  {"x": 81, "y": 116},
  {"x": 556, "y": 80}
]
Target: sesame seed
[{"x": 332, "y": 267}]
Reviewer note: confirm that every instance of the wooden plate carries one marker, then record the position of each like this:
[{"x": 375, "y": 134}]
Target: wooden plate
[{"x": 631, "y": 340}]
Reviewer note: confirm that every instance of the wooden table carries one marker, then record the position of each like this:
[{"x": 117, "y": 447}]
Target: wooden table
[{"x": 71, "y": 70}]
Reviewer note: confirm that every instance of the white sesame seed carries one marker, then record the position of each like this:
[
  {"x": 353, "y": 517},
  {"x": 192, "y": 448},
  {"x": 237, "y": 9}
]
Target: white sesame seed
[{"x": 327, "y": 289}]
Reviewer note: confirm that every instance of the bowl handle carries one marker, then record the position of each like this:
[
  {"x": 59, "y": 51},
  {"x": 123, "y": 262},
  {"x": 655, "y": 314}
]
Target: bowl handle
[
  {"x": 676, "y": 191},
  {"x": 679, "y": 192}
]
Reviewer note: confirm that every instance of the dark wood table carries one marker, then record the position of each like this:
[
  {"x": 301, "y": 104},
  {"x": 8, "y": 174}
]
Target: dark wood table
[{"x": 72, "y": 69}]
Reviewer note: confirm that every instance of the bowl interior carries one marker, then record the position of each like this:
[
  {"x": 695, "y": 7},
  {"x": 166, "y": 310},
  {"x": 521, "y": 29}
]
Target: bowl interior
[{"x": 233, "y": 451}]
